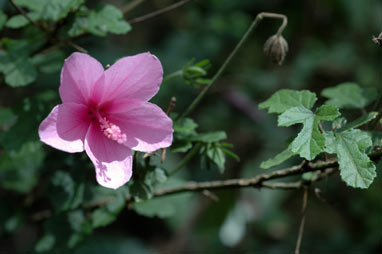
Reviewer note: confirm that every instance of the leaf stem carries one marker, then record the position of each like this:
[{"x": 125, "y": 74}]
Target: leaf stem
[
  {"x": 222, "y": 68},
  {"x": 172, "y": 75}
]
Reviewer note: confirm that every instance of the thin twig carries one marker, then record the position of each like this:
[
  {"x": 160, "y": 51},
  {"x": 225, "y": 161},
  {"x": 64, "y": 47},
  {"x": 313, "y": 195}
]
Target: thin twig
[
  {"x": 222, "y": 68},
  {"x": 158, "y": 12},
  {"x": 302, "y": 223},
  {"x": 131, "y": 5}
]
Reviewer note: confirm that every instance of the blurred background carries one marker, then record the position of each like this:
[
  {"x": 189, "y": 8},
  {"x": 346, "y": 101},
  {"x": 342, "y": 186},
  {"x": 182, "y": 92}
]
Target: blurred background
[{"x": 329, "y": 43}]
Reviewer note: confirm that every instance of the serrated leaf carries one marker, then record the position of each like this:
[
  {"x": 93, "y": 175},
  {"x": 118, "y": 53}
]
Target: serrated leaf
[
  {"x": 17, "y": 68},
  {"x": 278, "y": 159},
  {"x": 107, "y": 19},
  {"x": 309, "y": 142},
  {"x": 349, "y": 95},
  {"x": 285, "y": 99},
  {"x": 359, "y": 121},
  {"x": 357, "y": 170}
]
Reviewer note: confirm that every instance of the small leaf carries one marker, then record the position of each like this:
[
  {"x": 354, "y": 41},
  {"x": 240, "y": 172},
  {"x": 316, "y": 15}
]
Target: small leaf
[
  {"x": 360, "y": 121},
  {"x": 285, "y": 99},
  {"x": 349, "y": 95},
  {"x": 357, "y": 170},
  {"x": 278, "y": 159}
]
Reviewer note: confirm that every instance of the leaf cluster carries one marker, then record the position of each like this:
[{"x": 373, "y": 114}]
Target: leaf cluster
[{"x": 345, "y": 140}]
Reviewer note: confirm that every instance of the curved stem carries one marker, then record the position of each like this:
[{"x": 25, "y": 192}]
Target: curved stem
[{"x": 222, "y": 68}]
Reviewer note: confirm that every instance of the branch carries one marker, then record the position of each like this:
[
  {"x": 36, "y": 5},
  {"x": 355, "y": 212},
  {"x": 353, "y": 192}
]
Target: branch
[
  {"x": 258, "y": 181},
  {"x": 158, "y": 12}
]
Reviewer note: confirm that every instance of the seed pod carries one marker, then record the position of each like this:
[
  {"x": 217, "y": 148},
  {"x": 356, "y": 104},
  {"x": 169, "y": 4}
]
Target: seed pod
[{"x": 276, "y": 47}]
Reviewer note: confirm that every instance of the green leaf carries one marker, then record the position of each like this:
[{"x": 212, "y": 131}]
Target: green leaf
[
  {"x": 216, "y": 154},
  {"x": 55, "y": 10},
  {"x": 19, "y": 168},
  {"x": 3, "y": 19},
  {"x": 327, "y": 112},
  {"x": 45, "y": 243},
  {"x": 17, "y": 68},
  {"x": 19, "y": 20},
  {"x": 209, "y": 137},
  {"x": 360, "y": 121},
  {"x": 309, "y": 142},
  {"x": 285, "y": 99},
  {"x": 357, "y": 170},
  {"x": 107, "y": 19},
  {"x": 185, "y": 126},
  {"x": 349, "y": 95},
  {"x": 278, "y": 159}
]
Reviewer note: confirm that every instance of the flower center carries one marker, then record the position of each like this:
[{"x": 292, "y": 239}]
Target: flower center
[{"x": 109, "y": 129}]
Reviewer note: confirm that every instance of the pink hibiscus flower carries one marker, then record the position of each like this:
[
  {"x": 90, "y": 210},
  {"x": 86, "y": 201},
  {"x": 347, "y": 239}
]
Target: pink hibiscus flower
[{"x": 107, "y": 113}]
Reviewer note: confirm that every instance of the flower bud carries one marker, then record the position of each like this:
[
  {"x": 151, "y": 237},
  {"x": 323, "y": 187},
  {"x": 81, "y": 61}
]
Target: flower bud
[{"x": 276, "y": 47}]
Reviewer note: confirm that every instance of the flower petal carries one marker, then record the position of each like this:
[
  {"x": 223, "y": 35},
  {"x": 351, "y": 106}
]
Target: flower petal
[
  {"x": 146, "y": 126},
  {"x": 113, "y": 162},
  {"x": 65, "y": 127},
  {"x": 138, "y": 77},
  {"x": 82, "y": 79}
]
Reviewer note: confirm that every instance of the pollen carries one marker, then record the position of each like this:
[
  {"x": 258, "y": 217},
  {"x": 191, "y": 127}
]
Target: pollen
[{"x": 112, "y": 131}]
